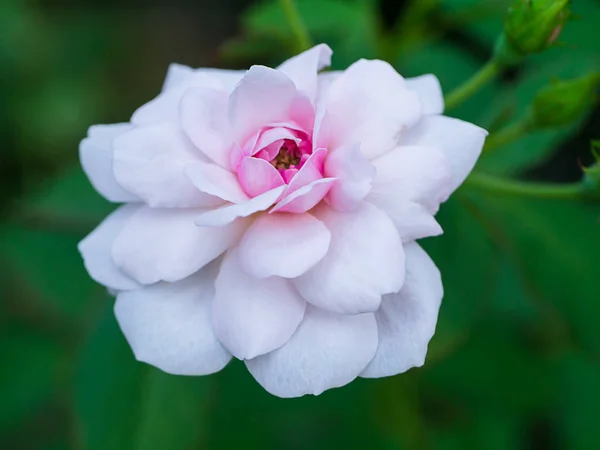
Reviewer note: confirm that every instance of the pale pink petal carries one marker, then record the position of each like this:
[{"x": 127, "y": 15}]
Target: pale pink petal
[
  {"x": 306, "y": 197},
  {"x": 370, "y": 104},
  {"x": 327, "y": 351},
  {"x": 149, "y": 163},
  {"x": 411, "y": 183},
  {"x": 302, "y": 113},
  {"x": 312, "y": 170},
  {"x": 179, "y": 74},
  {"x": 214, "y": 180},
  {"x": 252, "y": 316},
  {"x": 354, "y": 173},
  {"x": 258, "y": 176},
  {"x": 168, "y": 325},
  {"x": 97, "y": 257},
  {"x": 302, "y": 69},
  {"x": 365, "y": 261},
  {"x": 461, "y": 142},
  {"x": 264, "y": 96},
  {"x": 165, "y": 244},
  {"x": 203, "y": 113},
  {"x": 96, "y": 155},
  {"x": 407, "y": 320},
  {"x": 227, "y": 214},
  {"x": 286, "y": 245},
  {"x": 165, "y": 107},
  {"x": 430, "y": 93},
  {"x": 271, "y": 136}
]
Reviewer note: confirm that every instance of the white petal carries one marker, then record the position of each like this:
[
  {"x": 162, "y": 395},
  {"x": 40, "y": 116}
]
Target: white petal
[
  {"x": 264, "y": 96},
  {"x": 96, "y": 155},
  {"x": 406, "y": 321},
  {"x": 303, "y": 68},
  {"x": 365, "y": 261},
  {"x": 430, "y": 92},
  {"x": 168, "y": 325},
  {"x": 216, "y": 181},
  {"x": 461, "y": 142},
  {"x": 252, "y": 316},
  {"x": 411, "y": 183},
  {"x": 370, "y": 104},
  {"x": 327, "y": 351},
  {"x": 204, "y": 120},
  {"x": 149, "y": 162},
  {"x": 227, "y": 214},
  {"x": 283, "y": 244},
  {"x": 165, "y": 244},
  {"x": 179, "y": 74},
  {"x": 97, "y": 257},
  {"x": 354, "y": 173},
  {"x": 165, "y": 107}
]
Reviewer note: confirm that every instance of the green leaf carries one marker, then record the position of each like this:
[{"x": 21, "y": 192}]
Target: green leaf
[{"x": 123, "y": 404}]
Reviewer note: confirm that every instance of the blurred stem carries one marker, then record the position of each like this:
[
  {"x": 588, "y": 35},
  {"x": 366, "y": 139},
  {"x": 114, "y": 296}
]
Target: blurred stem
[
  {"x": 570, "y": 191},
  {"x": 483, "y": 76},
  {"x": 508, "y": 134},
  {"x": 297, "y": 25}
]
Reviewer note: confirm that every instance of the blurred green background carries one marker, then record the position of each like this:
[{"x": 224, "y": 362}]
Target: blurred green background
[{"x": 515, "y": 363}]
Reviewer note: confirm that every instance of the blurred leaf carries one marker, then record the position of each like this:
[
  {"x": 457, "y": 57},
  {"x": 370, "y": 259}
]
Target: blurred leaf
[
  {"x": 124, "y": 404},
  {"x": 31, "y": 363},
  {"x": 349, "y": 27}
]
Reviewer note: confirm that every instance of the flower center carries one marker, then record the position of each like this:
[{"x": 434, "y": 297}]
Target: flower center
[{"x": 289, "y": 156}]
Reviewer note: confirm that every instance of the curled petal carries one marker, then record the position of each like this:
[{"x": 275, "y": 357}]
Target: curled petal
[
  {"x": 96, "y": 155},
  {"x": 365, "y": 261},
  {"x": 327, "y": 351},
  {"x": 305, "y": 198},
  {"x": 216, "y": 181},
  {"x": 165, "y": 244},
  {"x": 430, "y": 93},
  {"x": 406, "y": 321},
  {"x": 303, "y": 68},
  {"x": 285, "y": 245},
  {"x": 168, "y": 325},
  {"x": 253, "y": 316},
  {"x": 258, "y": 176}
]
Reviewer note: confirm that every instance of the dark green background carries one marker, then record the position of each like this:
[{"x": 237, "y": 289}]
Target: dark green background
[{"x": 515, "y": 363}]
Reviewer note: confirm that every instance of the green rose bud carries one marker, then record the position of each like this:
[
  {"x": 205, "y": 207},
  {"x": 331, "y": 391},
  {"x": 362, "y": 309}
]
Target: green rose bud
[
  {"x": 563, "y": 102},
  {"x": 531, "y": 26}
]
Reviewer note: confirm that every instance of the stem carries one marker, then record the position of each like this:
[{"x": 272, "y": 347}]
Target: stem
[
  {"x": 296, "y": 24},
  {"x": 572, "y": 191},
  {"x": 507, "y": 135},
  {"x": 479, "y": 79}
]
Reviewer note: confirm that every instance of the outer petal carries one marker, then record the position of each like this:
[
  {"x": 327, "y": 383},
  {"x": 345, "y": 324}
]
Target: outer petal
[
  {"x": 305, "y": 198},
  {"x": 302, "y": 69},
  {"x": 179, "y": 74},
  {"x": 214, "y": 180},
  {"x": 258, "y": 176},
  {"x": 227, "y": 214},
  {"x": 370, "y": 104},
  {"x": 264, "y": 96},
  {"x": 406, "y": 321},
  {"x": 461, "y": 142},
  {"x": 96, "y": 155},
  {"x": 430, "y": 92},
  {"x": 203, "y": 114},
  {"x": 365, "y": 261},
  {"x": 354, "y": 173},
  {"x": 165, "y": 244},
  {"x": 327, "y": 351},
  {"x": 169, "y": 326},
  {"x": 149, "y": 162},
  {"x": 286, "y": 245},
  {"x": 165, "y": 107},
  {"x": 411, "y": 183},
  {"x": 95, "y": 250},
  {"x": 251, "y": 316}
]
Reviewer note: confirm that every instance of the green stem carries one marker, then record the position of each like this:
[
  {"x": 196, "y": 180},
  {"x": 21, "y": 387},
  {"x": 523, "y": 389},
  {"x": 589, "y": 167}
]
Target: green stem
[
  {"x": 473, "y": 84},
  {"x": 567, "y": 191},
  {"x": 297, "y": 24},
  {"x": 507, "y": 135}
]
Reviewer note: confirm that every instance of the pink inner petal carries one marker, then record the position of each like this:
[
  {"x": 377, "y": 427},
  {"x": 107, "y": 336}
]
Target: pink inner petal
[
  {"x": 306, "y": 197},
  {"x": 258, "y": 176},
  {"x": 310, "y": 171}
]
